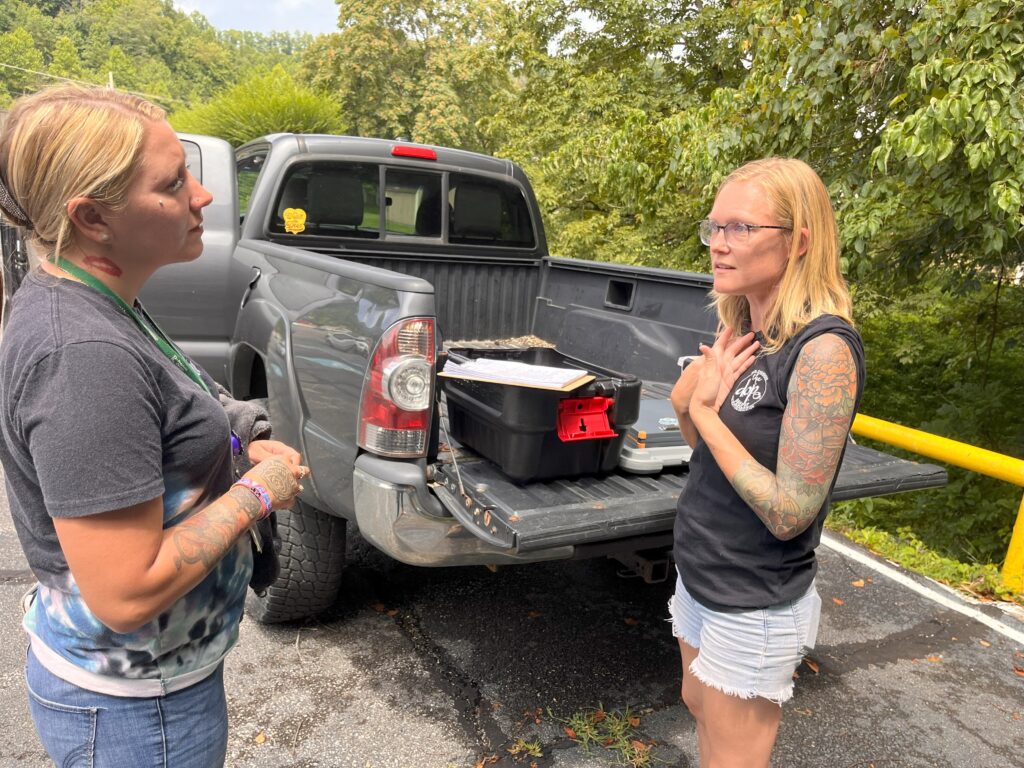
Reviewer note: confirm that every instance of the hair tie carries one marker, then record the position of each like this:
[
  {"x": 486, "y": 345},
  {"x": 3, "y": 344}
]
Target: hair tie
[{"x": 10, "y": 207}]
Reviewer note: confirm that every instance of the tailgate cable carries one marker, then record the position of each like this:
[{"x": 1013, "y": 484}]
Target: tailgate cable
[{"x": 451, "y": 450}]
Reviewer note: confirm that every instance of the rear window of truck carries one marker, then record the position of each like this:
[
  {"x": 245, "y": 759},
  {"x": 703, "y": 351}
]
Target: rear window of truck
[
  {"x": 343, "y": 200},
  {"x": 334, "y": 200},
  {"x": 487, "y": 212}
]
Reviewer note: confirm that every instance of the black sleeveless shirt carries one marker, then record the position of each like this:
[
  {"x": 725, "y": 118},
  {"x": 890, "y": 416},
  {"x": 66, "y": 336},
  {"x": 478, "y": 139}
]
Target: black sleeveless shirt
[{"x": 727, "y": 558}]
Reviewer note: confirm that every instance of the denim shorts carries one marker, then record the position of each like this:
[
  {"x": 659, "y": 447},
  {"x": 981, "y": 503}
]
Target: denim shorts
[
  {"x": 748, "y": 654},
  {"x": 83, "y": 729}
]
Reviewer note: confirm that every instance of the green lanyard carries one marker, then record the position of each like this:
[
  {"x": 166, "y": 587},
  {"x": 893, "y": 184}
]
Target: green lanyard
[{"x": 143, "y": 320}]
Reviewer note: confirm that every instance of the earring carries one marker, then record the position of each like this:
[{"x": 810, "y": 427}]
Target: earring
[{"x": 105, "y": 237}]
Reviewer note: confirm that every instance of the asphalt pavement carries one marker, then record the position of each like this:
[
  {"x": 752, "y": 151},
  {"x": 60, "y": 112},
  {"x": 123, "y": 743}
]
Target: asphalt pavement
[{"x": 467, "y": 668}]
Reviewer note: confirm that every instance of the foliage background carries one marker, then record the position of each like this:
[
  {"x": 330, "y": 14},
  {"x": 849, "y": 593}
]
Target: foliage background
[{"x": 626, "y": 114}]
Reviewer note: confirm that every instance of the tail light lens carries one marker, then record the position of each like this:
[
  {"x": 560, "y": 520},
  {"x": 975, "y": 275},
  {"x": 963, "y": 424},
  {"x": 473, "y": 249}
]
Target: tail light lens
[{"x": 398, "y": 392}]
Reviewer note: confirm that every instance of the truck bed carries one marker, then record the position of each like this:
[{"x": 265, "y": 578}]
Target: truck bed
[{"x": 621, "y": 505}]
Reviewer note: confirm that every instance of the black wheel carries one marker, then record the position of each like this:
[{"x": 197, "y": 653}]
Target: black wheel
[{"x": 312, "y": 558}]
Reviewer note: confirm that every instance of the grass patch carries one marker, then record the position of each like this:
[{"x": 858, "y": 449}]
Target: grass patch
[
  {"x": 524, "y": 748},
  {"x": 612, "y": 732},
  {"x": 983, "y": 580}
]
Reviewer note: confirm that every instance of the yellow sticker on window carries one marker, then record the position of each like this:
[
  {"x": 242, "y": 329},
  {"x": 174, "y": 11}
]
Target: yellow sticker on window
[{"x": 294, "y": 220}]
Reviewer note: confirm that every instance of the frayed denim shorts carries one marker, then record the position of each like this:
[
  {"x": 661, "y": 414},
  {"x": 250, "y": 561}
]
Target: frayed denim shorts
[{"x": 751, "y": 653}]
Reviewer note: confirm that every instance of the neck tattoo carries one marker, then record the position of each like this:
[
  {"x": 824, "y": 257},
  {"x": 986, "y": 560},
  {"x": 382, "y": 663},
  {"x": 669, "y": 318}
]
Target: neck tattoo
[{"x": 104, "y": 265}]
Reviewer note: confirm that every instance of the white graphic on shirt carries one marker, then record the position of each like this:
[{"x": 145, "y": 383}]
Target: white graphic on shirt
[{"x": 749, "y": 391}]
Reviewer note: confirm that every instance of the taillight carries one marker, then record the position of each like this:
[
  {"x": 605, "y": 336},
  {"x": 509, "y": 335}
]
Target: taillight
[{"x": 398, "y": 392}]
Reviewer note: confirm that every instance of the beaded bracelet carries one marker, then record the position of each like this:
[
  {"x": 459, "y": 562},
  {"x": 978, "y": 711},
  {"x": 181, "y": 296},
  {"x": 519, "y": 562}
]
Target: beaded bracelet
[{"x": 266, "y": 505}]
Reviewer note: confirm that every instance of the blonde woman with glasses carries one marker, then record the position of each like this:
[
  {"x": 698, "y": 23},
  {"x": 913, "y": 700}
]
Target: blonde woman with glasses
[
  {"x": 767, "y": 409},
  {"x": 116, "y": 449}
]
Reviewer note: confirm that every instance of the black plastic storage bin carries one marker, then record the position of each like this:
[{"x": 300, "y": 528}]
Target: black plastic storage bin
[{"x": 518, "y": 428}]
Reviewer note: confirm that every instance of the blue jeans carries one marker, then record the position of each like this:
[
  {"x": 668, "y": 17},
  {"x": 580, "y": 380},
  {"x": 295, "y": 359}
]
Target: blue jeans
[{"x": 80, "y": 728}]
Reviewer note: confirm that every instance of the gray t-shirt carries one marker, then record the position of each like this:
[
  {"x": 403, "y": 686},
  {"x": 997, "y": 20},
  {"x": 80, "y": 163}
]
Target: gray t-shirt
[{"x": 94, "y": 418}]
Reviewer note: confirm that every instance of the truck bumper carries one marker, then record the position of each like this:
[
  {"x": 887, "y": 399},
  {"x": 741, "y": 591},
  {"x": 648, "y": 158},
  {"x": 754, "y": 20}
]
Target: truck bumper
[{"x": 396, "y": 512}]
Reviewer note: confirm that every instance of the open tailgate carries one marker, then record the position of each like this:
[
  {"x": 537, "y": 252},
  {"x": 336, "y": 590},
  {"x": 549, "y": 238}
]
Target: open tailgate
[{"x": 586, "y": 510}]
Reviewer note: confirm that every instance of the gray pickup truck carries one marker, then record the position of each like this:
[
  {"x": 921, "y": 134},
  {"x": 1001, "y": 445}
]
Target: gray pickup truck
[{"x": 336, "y": 268}]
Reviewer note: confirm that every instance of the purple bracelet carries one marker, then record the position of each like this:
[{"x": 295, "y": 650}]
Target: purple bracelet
[
  {"x": 266, "y": 505},
  {"x": 236, "y": 445}
]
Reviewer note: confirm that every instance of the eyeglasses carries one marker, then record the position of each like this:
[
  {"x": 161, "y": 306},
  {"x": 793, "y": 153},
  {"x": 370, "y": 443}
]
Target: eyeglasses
[{"x": 735, "y": 231}]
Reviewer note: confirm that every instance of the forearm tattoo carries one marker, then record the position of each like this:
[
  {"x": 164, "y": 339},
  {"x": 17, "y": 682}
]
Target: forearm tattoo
[
  {"x": 822, "y": 396},
  {"x": 205, "y": 537}
]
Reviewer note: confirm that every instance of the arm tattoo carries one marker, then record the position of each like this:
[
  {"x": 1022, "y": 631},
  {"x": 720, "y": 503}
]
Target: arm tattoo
[
  {"x": 822, "y": 395},
  {"x": 205, "y": 537}
]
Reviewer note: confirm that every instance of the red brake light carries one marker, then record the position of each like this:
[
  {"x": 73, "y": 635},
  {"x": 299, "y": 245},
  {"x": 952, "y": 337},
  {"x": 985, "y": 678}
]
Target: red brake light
[
  {"x": 397, "y": 402},
  {"x": 421, "y": 153}
]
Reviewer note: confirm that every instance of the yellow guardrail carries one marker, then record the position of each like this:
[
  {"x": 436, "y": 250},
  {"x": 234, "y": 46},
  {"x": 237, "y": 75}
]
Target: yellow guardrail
[{"x": 961, "y": 455}]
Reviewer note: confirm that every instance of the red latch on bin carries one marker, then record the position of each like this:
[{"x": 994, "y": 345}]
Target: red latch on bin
[{"x": 584, "y": 418}]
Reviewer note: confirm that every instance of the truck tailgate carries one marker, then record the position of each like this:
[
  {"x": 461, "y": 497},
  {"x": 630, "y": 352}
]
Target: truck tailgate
[{"x": 586, "y": 510}]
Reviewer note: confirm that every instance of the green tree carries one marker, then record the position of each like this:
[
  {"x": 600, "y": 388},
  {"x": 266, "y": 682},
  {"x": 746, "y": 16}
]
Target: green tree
[
  {"x": 149, "y": 46},
  {"x": 65, "y": 61},
  {"x": 120, "y": 69},
  {"x": 426, "y": 71},
  {"x": 268, "y": 103},
  {"x": 22, "y": 61},
  {"x": 596, "y": 81}
]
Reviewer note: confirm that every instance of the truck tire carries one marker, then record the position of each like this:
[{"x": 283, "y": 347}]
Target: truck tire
[{"x": 312, "y": 557}]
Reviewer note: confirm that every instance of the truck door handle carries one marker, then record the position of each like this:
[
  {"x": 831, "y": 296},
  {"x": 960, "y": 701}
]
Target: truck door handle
[{"x": 256, "y": 275}]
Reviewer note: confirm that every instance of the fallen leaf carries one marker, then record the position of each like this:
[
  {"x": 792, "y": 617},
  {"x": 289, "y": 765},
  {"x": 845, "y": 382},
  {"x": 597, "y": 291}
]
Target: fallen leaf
[
  {"x": 570, "y": 733},
  {"x": 934, "y": 658},
  {"x": 1019, "y": 671},
  {"x": 393, "y": 612},
  {"x": 533, "y": 764},
  {"x": 630, "y": 621},
  {"x": 535, "y": 614},
  {"x": 1016, "y": 716},
  {"x": 514, "y": 518},
  {"x": 260, "y": 737},
  {"x": 984, "y": 643},
  {"x": 639, "y": 746},
  {"x": 805, "y": 711},
  {"x": 796, "y": 675},
  {"x": 634, "y": 721},
  {"x": 837, "y": 601},
  {"x": 1019, "y": 654},
  {"x": 812, "y": 665},
  {"x": 608, "y": 742},
  {"x": 857, "y": 583},
  {"x": 598, "y": 716}
]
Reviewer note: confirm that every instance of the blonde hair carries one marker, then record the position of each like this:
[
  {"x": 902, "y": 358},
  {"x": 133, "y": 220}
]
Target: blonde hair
[
  {"x": 812, "y": 284},
  {"x": 65, "y": 142}
]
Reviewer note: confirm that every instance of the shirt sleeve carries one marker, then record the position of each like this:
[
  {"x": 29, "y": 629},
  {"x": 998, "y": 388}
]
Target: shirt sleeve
[{"x": 90, "y": 414}]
